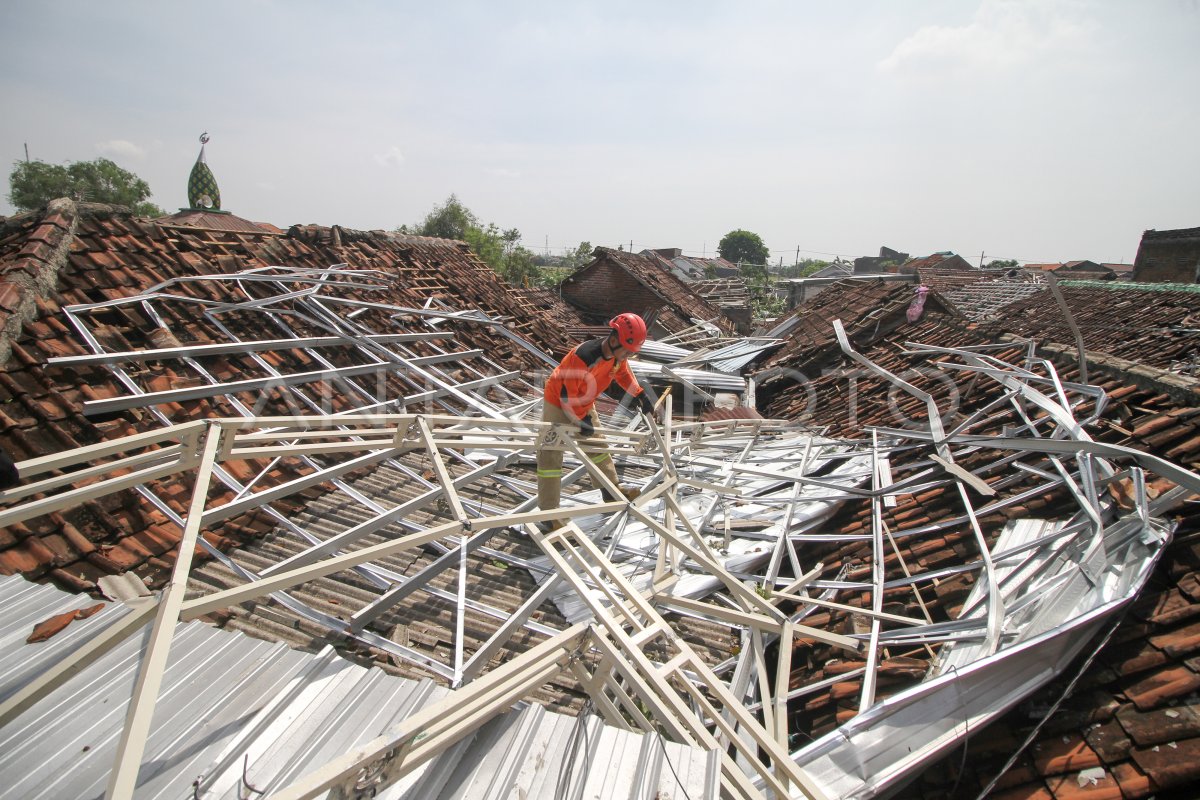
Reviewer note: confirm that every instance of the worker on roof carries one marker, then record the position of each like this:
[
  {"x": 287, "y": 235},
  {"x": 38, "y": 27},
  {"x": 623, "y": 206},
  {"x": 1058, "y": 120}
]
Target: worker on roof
[{"x": 570, "y": 400}]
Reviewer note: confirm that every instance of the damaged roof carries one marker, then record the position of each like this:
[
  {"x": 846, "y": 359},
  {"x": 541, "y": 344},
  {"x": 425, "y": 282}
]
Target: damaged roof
[
  {"x": 867, "y": 308},
  {"x": 132, "y": 284},
  {"x": 407, "y": 497},
  {"x": 672, "y": 304},
  {"x": 1131, "y": 726},
  {"x": 1155, "y": 324}
]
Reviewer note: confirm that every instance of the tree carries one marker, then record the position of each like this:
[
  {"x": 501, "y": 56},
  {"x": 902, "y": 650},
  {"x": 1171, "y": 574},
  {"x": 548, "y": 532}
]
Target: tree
[
  {"x": 1003, "y": 263},
  {"x": 450, "y": 220},
  {"x": 803, "y": 268},
  {"x": 744, "y": 247},
  {"x": 576, "y": 258},
  {"x": 499, "y": 248},
  {"x": 32, "y": 184}
]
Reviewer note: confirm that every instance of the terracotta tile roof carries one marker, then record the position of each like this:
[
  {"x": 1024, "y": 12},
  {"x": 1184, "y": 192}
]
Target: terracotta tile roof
[
  {"x": 676, "y": 304},
  {"x": 1131, "y": 728},
  {"x": 948, "y": 280},
  {"x": 724, "y": 291},
  {"x": 1153, "y": 324},
  {"x": 78, "y": 254},
  {"x": 868, "y": 309},
  {"x": 737, "y": 412},
  {"x": 214, "y": 221},
  {"x": 950, "y": 261},
  {"x": 562, "y": 316},
  {"x": 983, "y": 299}
]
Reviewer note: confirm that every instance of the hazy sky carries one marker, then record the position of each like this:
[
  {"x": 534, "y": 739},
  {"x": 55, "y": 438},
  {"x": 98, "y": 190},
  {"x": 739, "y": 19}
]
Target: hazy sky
[{"x": 1042, "y": 130}]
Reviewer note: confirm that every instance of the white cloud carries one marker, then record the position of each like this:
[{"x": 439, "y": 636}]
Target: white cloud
[
  {"x": 1003, "y": 35},
  {"x": 391, "y": 158},
  {"x": 120, "y": 148}
]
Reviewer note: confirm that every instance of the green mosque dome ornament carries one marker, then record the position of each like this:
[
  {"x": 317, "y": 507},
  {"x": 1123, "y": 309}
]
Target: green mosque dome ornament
[{"x": 202, "y": 185}]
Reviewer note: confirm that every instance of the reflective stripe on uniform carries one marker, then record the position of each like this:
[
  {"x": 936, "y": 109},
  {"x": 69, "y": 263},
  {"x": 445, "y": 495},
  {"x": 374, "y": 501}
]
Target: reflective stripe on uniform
[
  {"x": 598, "y": 459},
  {"x": 549, "y": 473}
]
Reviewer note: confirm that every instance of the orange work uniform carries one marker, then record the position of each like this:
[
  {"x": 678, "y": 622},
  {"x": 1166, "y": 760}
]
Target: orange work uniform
[
  {"x": 583, "y": 374},
  {"x": 570, "y": 396}
]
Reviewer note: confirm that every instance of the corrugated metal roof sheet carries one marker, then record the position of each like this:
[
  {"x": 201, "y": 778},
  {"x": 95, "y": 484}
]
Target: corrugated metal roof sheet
[{"x": 236, "y": 713}]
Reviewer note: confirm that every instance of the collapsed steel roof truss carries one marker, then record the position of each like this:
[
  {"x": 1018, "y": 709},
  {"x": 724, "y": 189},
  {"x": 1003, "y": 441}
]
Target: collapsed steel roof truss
[{"x": 681, "y": 548}]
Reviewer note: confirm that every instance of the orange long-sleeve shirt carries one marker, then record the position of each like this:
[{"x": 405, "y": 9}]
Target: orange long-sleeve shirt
[{"x": 583, "y": 374}]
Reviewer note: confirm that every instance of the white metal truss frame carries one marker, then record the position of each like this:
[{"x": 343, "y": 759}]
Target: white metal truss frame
[
  {"x": 719, "y": 533},
  {"x": 199, "y": 447},
  {"x": 271, "y": 295}
]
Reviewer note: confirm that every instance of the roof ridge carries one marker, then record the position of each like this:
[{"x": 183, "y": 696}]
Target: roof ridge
[
  {"x": 1133, "y": 286},
  {"x": 33, "y": 275}
]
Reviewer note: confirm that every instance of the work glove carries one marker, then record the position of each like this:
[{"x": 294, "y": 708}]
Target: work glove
[
  {"x": 644, "y": 404},
  {"x": 586, "y": 429}
]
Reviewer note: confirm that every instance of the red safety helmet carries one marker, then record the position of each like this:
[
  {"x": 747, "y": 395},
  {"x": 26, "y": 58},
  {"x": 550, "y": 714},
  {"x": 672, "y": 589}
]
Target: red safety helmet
[{"x": 631, "y": 331}]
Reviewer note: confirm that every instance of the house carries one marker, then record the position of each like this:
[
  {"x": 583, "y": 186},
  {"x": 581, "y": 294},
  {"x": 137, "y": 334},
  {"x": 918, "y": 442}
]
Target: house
[
  {"x": 1121, "y": 271},
  {"x": 801, "y": 290},
  {"x": 96, "y": 259},
  {"x": 616, "y": 281},
  {"x": 888, "y": 260},
  {"x": 1168, "y": 256},
  {"x": 693, "y": 268},
  {"x": 1080, "y": 270},
  {"x": 731, "y": 296},
  {"x": 943, "y": 260}
]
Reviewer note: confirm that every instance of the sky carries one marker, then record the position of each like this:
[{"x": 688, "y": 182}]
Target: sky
[{"x": 1040, "y": 130}]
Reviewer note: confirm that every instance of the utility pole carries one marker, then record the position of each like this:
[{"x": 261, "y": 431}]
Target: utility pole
[
  {"x": 797, "y": 261},
  {"x": 27, "y": 152},
  {"x": 981, "y": 259},
  {"x": 631, "y": 245},
  {"x": 547, "y": 244}
]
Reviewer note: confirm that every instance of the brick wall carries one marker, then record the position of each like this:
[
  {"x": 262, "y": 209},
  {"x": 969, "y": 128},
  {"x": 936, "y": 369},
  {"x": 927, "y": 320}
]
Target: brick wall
[{"x": 1168, "y": 256}]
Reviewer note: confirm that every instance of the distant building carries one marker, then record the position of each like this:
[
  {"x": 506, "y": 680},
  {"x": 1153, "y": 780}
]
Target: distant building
[
  {"x": 1168, "y": 256},
  {"x": 616, "y": 281},
  {"x": 1123, "y": 272},
  {"x": 888, "y": 260},
  {"x": 943, "y": 260},
  {"x": 1079, "y": 270},
  {"x": 692, "y": 268},
  {"x": 1084, "y": 270}
]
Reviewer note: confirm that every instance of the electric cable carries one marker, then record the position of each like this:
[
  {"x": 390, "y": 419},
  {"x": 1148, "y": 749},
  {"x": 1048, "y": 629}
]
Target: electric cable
[
  {"x": 667, "y": 758},
  {"x": 962, "y": 764},
  {"x": 1053, "y": 708}
]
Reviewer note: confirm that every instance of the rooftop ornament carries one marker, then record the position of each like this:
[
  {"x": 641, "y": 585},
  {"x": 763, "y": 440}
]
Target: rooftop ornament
[{"x": 203, "y": 194}]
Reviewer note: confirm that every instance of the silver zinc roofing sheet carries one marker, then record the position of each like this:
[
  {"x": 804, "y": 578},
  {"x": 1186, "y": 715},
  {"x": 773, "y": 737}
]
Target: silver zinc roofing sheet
[{"x": 239, "y": 716}]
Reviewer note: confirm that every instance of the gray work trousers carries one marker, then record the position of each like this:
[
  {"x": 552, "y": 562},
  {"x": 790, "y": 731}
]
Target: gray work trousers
[{"x": 549, "y": 462}]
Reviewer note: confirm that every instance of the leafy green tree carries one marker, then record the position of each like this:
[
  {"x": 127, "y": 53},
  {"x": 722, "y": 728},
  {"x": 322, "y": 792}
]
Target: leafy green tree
[
  {"x": 450, "y": 220},
  {"x": 803, "y": 268},
  {"x": 499, "y": 248},
  {"x": 744, "y": 247},
  {"x": 574, "y": 259},
  {"x": 32, "y": 184},
  {"x": 1003, "y": 263}
]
